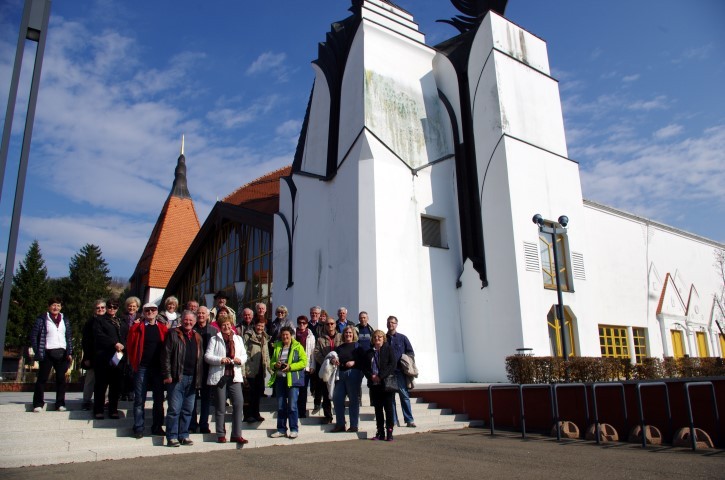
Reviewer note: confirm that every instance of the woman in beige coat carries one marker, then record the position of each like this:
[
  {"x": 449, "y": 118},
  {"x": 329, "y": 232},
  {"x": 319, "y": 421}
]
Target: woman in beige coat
[{"x": 257, "y": 365}]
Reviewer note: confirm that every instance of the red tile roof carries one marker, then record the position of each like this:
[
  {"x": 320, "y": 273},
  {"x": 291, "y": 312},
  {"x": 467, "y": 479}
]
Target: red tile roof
[
  {"x": 261, "y": 194},
  {"x": 174, "y": 231}
]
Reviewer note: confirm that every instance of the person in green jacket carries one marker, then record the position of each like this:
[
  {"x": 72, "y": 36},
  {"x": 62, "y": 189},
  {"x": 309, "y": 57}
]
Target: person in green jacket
[{"x": 288, "y": 375}]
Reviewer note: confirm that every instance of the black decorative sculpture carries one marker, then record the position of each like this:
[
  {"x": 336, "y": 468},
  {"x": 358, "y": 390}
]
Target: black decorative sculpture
[{"x": 473, "y": 12}]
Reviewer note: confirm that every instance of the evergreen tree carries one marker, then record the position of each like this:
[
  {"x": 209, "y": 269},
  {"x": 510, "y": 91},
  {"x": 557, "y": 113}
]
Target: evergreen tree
[
  {"x": 88, "y": 280},
  {"x": 28, "y": 296}
]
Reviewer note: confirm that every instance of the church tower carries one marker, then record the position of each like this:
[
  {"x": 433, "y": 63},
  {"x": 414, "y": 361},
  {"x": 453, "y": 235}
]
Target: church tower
[{"x": 172, "y": 235}]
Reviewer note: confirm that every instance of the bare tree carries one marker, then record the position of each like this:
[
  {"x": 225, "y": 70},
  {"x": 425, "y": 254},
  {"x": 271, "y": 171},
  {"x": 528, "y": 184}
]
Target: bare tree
[{"x": 720, "y": 296}]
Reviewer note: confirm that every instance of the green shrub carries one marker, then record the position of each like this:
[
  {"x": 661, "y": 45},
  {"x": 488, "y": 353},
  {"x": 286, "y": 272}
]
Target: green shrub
[{"x": 525, "y": 369}]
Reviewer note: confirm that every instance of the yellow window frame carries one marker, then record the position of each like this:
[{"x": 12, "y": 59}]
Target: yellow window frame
[{"x": 613, "y": 341}]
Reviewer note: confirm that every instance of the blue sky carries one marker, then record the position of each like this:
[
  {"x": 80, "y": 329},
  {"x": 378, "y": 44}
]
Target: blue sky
[{"x": 641, "y": 84}]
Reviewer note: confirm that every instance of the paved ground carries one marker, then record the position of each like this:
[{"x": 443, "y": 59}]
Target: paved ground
[{"x": 468, "y": 453}]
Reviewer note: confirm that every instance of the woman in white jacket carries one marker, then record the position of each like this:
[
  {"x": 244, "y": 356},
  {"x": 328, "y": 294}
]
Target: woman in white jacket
[
  {"x": 306, "y": 338},
  {"x": 226, "y": 356}
]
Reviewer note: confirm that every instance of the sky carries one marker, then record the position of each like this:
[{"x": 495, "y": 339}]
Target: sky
[{"x": 641, "y": 84}]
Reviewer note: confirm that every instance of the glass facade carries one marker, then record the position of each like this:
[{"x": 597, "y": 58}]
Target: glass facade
[{"x": 235, "y": 253}]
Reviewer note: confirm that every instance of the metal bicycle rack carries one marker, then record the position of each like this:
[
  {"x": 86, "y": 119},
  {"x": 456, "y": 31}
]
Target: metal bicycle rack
[
  {"x": 640, "y": 386},
  {"x": 556, "y": 404},
  {"x": 551, "y": 400},
  {"x": 501, "y": 386},
  {"x": 520, "y": 388},
  {"x": 689, "y": 409},
  {"x": 596, "y": 411}
]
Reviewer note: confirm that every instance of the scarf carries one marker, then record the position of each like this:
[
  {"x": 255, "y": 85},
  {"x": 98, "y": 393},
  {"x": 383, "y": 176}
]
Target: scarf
[
  {"x": 229, "y": 343},
  {"x": 56, "y": 318},
  {"x": 302, "y": 336}
]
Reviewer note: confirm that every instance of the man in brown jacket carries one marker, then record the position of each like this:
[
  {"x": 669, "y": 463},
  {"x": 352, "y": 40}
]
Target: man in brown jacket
[
  {"x": 181, "y": 369},
  {"x": 327, "y": 342}
]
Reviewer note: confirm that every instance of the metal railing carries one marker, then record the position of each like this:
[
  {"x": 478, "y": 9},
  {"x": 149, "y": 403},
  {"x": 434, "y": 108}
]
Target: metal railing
[
  {"x": 640, "y": 405},
  {"x": 596, "y": 410},
  {"x": 693, "y": 437}
]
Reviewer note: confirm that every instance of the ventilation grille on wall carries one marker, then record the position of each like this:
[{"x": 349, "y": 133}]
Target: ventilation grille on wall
[
  {"x": 577, "y": 263},
  {"x": 531, "y": 257},
  {"x": 431, "y": 230}
]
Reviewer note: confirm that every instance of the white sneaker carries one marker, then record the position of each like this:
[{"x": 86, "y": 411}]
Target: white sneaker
[
  {"x": 38, "y": 409},
  {"x": 278, "y": 435},
  {"x": 292, "y": 435},
  {"x": 61, "y": 409}
]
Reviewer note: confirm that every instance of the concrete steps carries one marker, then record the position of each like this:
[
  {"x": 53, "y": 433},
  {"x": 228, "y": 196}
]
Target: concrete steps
[{"x": 51, "y": 437}]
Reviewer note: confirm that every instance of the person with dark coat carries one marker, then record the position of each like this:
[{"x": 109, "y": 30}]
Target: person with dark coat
[
  {"x": 181, "y": 369},
  {"x": 109, "y": 333},
  {"x": 89, "y": 352},
  {"x": 51, "y": 345},
  {"x": 326, "y": 343},
  {"x": 204, "y": 328},
  {"x": 380, "y": 364},
  {"x": 348, "y": 360},
  {"x": 144, "y": 346}
]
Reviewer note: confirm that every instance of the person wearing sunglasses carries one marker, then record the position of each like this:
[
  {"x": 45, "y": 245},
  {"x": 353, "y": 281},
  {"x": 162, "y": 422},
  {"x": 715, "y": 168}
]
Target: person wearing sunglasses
[
  {"x": 109, "y": 334},
  {"x": 327, "y": 342},
  {"x": 144, "y": 346},
  {"x": 89, "y": 352},
  {"x": 349, "y": 361}
]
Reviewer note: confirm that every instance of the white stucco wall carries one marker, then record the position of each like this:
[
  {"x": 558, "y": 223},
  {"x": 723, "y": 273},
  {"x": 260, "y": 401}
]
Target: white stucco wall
[{"x": 357, "y": 237}]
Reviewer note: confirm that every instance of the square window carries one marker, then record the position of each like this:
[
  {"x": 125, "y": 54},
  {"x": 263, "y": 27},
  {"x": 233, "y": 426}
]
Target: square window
[{"x": 432, "y": 232}]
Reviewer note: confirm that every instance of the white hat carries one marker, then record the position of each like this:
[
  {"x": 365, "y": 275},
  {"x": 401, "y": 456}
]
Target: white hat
[{"x": 150, "y": 305}]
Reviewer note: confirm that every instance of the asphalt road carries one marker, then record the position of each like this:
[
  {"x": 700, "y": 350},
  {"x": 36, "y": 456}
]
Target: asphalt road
[{"x": 468, "y": 453}]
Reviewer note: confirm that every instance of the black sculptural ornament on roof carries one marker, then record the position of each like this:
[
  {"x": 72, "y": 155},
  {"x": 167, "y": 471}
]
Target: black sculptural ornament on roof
[{"x": 473, "y": 12}]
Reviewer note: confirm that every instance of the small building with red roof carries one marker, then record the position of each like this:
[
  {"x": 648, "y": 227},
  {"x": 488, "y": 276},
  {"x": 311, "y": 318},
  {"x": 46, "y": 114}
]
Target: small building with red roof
[{"x": 174, "y": 231}]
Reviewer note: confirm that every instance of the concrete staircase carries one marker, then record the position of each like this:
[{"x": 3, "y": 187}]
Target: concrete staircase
[{"x": 51, "y": 437}]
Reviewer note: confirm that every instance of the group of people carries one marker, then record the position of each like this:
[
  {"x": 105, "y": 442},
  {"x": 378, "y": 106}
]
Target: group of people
[{"x": 212, "y": 355}]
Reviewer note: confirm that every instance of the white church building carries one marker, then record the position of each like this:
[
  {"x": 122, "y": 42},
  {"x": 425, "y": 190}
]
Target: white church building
[{"x": 412, "y": 192}]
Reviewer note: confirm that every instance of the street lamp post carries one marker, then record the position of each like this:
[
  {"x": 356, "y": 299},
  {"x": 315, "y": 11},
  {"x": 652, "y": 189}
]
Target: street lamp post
[{"x": 563, "y": 222}]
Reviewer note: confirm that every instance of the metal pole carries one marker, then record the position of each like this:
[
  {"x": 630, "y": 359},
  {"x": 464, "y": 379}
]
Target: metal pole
[
  {"x": 34, "y": 27},
  {"x": 12, "y": 97},
  {"x": 560, "y": 304}
]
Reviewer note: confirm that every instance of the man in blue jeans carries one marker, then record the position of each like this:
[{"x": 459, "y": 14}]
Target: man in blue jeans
[
  {"x": 144, "y": 344},
  {"x": 181, "y": 369},
  {"x": 401, "y": 345}
]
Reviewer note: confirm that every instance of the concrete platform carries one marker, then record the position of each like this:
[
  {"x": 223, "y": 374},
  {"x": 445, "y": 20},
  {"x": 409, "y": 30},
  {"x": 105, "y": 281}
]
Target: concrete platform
[{"x": 74, "y": 436}]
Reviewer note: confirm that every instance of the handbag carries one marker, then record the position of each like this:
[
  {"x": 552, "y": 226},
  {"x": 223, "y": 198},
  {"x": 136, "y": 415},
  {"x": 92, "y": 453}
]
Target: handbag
[{"x": 391, "y": 384}]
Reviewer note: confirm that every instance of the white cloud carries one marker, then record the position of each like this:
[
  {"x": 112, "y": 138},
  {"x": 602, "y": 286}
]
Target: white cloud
[
  {"x": 120, "y": 237},
  {"x": 657, "y": 103},
  {"x": 654, "y": 179},
  {"x": 106, "y": 140},
  {"x": 270, "y": 62},
  {"x": 695, "y": 53},
  {"x": 234, "y": 117},
  {"x": 630, "y": 78},
  {"x": 289, "y": 128},
  {"x": 596, "y": 53},
  {"x": 668, "y": 131}
]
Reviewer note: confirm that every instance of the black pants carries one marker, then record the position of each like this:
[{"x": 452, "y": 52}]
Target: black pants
[
  {"x": 383, "y": 402},
  {"x": 326, "y": 403},
  {"x": 202, "y": 419},
  {"x": 316, "y": 386},
  {"x": 302, "y": 397},
  {"x": 57, "y": 359},
  {"x": 251, "y": 401},
  {"x": 110, "y": 377}
]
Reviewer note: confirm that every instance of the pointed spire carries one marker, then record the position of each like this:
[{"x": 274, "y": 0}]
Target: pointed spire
[{"x": 179, "y": 189}]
